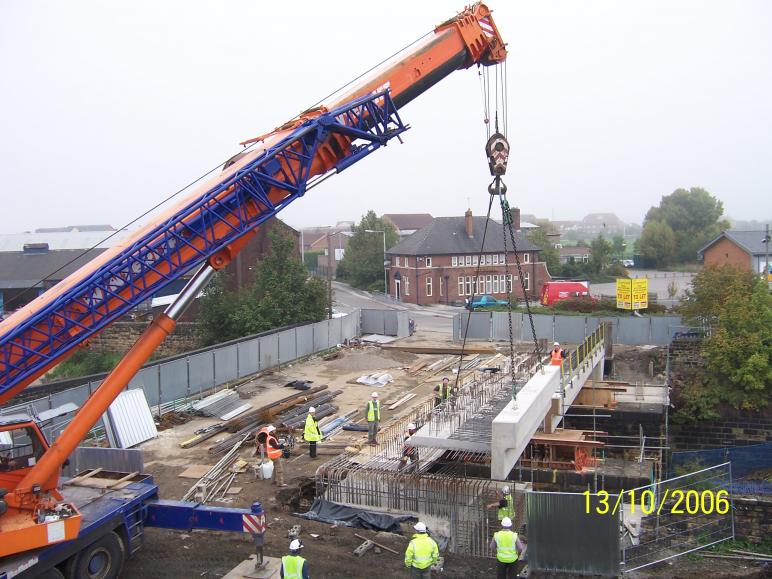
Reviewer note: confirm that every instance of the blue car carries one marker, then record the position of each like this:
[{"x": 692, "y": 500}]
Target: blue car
[{"x": 484, "y": 301}]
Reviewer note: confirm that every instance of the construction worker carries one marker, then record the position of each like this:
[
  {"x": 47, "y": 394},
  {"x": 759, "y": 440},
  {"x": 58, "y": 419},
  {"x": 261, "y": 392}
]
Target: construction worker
[
  {"x": 409, "y": 453},
  {"x": 312, "y": 434},
  {"x": 293, "y": 566},
  {"x": 373, "y": 415},
  {"x": 556, "y": 355},
  {"x": 508, "y": 549},
  {"x": 269, "y": 446},
  {"x": 422, "y": 552},
  {"x": 442, "y": 392},
  {"x": 505, "y": 504}
]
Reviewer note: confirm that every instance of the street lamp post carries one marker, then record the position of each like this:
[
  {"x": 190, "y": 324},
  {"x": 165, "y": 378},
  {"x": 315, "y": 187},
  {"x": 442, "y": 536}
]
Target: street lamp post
[{"x": 385, "y": 281}]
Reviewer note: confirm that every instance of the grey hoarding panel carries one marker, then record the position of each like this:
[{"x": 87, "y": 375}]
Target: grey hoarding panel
[
  {"x": 201, "y": 372},
  {"x": 304, "y": 336},
  {"x": 110, "y": 459},
  {"x": 249, "y": 357},
  {"x": 480, "y": 325},
  {"x": 269, "y": 351},
  {"x": 570, "y": 329},
  {"x": 374, "y": 321},
  {"x": 403, "y": 325},
  {"x": 321, "y": 335},
  {"x": 457, "y": 328},
  {"x": 77, "y": 395},
  {"x": 543, "y": 325},
  {"x": 336, "y": 332},
  {"x": 225, "y": 364},
  {"x": 501, "y": 325},
  {"x": 174, "y": 380},
  {"x": 634, "y": 331},
  {"x": 390, "y": 324},
  {"x": 351, "y": 325},
  {"x": 663, "y": 328},
  {"x": 564, "y": 538},
  {"x": 147, "y": 379},
  {"x": 287, "y": 348}
]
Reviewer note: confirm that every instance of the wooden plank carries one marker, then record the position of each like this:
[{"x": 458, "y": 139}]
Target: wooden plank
[
  {"x": 126, "y": 479},
  {"x": 77, "y": 479},
  {"x": 195, "y": 471},
  {"x": 402, "y": 400}
]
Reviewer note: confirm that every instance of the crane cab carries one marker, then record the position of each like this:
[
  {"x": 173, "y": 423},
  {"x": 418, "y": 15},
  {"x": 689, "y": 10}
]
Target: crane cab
[{"x": 39, "y": 518}]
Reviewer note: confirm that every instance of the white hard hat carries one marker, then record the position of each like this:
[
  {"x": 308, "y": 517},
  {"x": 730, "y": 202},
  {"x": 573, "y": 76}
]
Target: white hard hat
[
  {"x": 295, "y": 545},
  {"x": 420, "y": 527},
  {"x": 374, "y": 395},
  {"x": 411, "y": 426},
  {"x": 312, "y": 410},
  {"x": 556, "y": 344},
  {"x": 506, "y": 522},
  {"x": 270, "y": 428},
  {"x": 505, "y": 490}
]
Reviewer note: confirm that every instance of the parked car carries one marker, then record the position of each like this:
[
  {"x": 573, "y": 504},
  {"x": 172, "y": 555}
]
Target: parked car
[
  {"x": 627, "y": 262},
  {"x": 484, "y": 301}
]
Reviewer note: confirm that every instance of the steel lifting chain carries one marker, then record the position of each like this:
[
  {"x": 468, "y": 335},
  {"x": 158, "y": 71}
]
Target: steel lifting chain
[{"x": 506, "y": 217}]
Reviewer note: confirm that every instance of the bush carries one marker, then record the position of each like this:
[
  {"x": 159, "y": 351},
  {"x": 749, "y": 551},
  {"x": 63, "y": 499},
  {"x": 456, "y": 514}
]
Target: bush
[{"x": 84, "y": 363}]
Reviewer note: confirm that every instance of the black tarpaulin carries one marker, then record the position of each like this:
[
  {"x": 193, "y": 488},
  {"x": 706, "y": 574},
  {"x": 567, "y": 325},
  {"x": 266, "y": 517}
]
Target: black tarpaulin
[{"x": 329, "y": 512}]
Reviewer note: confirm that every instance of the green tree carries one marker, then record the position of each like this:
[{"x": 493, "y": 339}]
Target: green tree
[
  {"x": 362, "y": 264},
  {"x": 693, "y": 215},
  {"x": 282, "y": 295},
  {"x": 619, "y": 244},
  {"x": 657, "y": 244},
  {"x": 548, "y": 253},
  {"x": 737, "y": 307},
  {"x": 601, "y": 253}
]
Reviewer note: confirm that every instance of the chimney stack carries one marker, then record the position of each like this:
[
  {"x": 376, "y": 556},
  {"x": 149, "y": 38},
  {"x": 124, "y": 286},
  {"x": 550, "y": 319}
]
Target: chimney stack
[
  {"x": 469, "y": 222},
  {"x": 515, "y": 211}
]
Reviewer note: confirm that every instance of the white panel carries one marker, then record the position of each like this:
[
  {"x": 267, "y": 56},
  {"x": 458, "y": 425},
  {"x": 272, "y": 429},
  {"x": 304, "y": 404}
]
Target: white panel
[{"x": 131, "y": 419}]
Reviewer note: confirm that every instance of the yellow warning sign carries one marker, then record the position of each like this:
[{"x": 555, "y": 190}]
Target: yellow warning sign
[{"x": 632, "y": 294}]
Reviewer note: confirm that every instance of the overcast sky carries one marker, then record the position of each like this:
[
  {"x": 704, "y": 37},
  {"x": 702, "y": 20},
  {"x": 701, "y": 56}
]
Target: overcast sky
[{"x": 108, "y": 107}]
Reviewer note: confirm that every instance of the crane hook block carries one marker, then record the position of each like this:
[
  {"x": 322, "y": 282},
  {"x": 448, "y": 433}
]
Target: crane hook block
[{"x": 497, "y": 149}]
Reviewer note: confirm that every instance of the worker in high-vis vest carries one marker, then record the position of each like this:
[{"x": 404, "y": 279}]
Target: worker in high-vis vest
[
  {"x": 509, "y": 548},
  {"x": 443, "y": 391},
  {"x": 557, "y": 355},
  {"x": 504, "y": 504},
  {"x": 268, "y": 446},
  {"x": 373, "y": 415},
  {"x": 422, "y": 552},
  {"x": 293, "y": 566},
  {"x": 312, "y": 434}
]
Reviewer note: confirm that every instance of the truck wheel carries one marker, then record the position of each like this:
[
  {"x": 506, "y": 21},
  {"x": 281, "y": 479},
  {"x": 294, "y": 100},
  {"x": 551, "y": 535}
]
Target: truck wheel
[
  {"x": 102, "y": 559},
  {"x": 52, "y": 573}
]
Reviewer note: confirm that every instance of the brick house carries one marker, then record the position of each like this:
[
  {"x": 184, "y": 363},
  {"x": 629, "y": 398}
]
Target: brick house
[
  {"x": 575, "y": 254},
  {"x": 439, "y": 262},
  {"x": 742, "y": 249}
]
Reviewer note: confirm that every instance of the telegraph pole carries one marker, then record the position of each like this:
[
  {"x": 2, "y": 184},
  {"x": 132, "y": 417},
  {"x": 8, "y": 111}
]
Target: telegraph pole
[{"x": 330, "y": 258}]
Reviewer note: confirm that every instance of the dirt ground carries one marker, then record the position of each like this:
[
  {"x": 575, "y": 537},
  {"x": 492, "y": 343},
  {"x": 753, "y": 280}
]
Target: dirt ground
[{"x": 170, "y": 554}]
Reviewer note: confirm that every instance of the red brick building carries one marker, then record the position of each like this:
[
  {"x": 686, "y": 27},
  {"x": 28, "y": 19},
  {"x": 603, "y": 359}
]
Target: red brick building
[
  {"x": 741, "y": 249},
  {"x": 439, "y": 263}
]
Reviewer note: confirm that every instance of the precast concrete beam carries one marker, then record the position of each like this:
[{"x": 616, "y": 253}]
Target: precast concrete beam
[{"x": 539, "y": 403}]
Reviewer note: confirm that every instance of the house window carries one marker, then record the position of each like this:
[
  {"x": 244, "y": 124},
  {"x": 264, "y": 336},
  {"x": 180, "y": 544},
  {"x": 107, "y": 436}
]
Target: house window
[
  {"x": 488, "y": 259},
  {"x": 495, "y": 259},
  {"x": 441, "y": 288},
  {"x": 468, "y": 260},
  {"x": 454, "y": 261},
  {"x": 495, "y": 284},
  {"x": 407, "y": 285},
  {"x": 585, "y": 258},
  {"x": 461, "y": 285},
  {"x": 474, "y": 260},
  {"x": 509, "y": 283},
  {"x": 527, "y": 280},
  {"x": 502, "y": 259},
  {"x": 396, "y": 261},
  {"x": 488, "y": 284},
  {"x": 468, "y": 285},
  {"x": 407, "y": 263},
  {"x": 428, "y": 262},
  {"x": 428, "y": 287},
  {"x": 526, "y": 258}
]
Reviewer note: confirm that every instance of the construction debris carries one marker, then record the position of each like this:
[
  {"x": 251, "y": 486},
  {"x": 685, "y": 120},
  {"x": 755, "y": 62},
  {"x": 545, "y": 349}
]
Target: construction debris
[
  {"x": 375, "y": 379},
  {"x": 418, "y": 349},
  {"x": 364, "y": 548},
  {"x": 224, "y": 404},
  {"x": 384, "y": 547}
]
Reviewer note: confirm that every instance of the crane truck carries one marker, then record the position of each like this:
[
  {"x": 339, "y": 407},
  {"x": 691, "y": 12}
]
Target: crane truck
[{"x": 48, "y": 529}]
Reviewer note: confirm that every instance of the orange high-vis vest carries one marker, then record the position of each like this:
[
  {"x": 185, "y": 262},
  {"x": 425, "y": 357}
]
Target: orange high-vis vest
[
  {"x": 270, "y": 452},
  {"x": 557, "y": 357}
]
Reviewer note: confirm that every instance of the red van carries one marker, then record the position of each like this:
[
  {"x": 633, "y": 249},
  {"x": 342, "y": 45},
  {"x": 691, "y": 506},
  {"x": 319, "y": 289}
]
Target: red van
[{"x": 555, "y": 291}]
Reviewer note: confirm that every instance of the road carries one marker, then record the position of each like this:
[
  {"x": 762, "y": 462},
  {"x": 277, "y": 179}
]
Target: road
[{"x": 434, "y": 318}]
